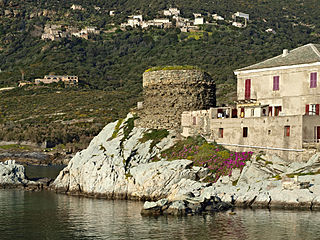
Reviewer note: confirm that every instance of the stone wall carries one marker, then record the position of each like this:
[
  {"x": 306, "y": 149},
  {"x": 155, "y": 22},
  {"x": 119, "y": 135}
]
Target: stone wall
[{"x": 167, "y": 93}]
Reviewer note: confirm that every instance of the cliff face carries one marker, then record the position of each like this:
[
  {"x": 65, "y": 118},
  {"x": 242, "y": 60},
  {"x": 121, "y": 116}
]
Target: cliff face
[
  {"x": 119, "y": 164},
  {"x": 115, "y": 166}
]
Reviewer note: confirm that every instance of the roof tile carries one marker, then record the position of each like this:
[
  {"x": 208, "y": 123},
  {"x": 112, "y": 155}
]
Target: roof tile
[{"x": 309, "y": 53}]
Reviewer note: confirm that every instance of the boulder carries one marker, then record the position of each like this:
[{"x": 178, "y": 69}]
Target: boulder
[{"x": 12, "y": 174}]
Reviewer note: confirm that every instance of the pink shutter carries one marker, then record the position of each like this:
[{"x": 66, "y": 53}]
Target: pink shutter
[
  {"x": 317, "y": 109},
  {"x": 287, "y": 131},
  {"x": 307, "y": 109},
  {"x": 275, "y": 83},
  {"x": 248, "y": 89},
  {"x": 313, "y": 80}
]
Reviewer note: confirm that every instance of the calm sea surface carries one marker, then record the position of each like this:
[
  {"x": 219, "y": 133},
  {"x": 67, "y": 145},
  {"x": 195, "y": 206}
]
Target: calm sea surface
[{"x": 46, "y": 215}]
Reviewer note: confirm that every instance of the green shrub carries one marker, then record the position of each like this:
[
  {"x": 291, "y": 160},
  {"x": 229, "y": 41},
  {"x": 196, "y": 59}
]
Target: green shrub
[
  {"x": 156, "y": 135},
  {"x": 116, "y": 129},
  {"x": 128, "y": 126}
]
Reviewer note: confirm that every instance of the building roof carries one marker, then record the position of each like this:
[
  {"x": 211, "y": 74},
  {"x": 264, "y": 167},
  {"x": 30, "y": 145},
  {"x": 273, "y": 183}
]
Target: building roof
[{"x": 309, "y": 53}]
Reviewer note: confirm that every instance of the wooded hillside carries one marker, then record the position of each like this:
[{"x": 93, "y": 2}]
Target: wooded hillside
[{"x": 113, "y": 62}]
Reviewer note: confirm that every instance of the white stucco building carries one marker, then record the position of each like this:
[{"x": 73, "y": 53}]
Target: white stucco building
[{"x": 277, "y": 107}]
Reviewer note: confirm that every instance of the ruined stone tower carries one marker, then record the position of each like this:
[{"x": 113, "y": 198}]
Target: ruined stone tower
[{"x": 167, "y": 93}]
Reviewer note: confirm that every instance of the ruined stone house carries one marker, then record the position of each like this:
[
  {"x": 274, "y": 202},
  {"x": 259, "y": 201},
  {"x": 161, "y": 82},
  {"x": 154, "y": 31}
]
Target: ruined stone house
[{"x": 277, "y": 108}]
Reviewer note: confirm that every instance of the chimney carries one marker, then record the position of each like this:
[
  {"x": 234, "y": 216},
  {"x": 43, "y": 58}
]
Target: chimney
[{"x": 285, "y": 52}]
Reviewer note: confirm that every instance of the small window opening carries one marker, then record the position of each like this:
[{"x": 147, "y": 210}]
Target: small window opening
[
  {"x": 220, "y": 132},
  {"x": 252, "y": 112},
  {"x": 287, "y": 131},
  {"x": 245, "y": 132},
  {"x": 194, "y": 121}
]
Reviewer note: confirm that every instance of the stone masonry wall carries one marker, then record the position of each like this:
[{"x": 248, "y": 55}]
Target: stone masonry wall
[{"x": 167, "y": 93}]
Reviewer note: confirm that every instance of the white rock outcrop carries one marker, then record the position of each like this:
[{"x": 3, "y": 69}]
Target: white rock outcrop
[
  {"x": 12, "y": 174},
  {"x": 116, "y": 166},
  {"x": 120, "y": 165}
]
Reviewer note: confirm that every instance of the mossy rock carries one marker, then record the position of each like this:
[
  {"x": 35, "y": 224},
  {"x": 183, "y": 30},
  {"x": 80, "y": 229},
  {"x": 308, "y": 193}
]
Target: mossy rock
[{"x": 185, "y": 67}]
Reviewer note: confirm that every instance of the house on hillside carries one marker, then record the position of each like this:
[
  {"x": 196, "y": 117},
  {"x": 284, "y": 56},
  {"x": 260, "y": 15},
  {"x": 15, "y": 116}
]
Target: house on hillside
[
  {"x": 171, "y": 12},
  {"x": 277, "y": 107},
  {"x": 77, "y": 7},
  {"x": 68, "y": 80}
]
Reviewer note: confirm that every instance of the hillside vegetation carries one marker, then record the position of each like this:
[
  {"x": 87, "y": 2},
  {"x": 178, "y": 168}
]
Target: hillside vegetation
[{"x": 110, "y": 65}]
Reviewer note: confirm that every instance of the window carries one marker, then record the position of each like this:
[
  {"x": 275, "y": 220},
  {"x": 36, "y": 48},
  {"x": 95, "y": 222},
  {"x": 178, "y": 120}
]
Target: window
[
  {"x": 313, "y": 79},
  {"x": 277, "y": 110},
  {"x": 270, "y": 111},
  {"x": 252, "y": 112},
  {"x": 220, "y": 132},
  {"x": 245, "y": 132},
  {"x": 276, "y": 83},
  {"x": 194, "y": 120},
  {"x": 234, "y": 113},
  {"x": 264, "y": 112},
  {"x": 312, "y": 109},
  {"x": 247, "y": 89},
  {"x": 287, "y": 131}
]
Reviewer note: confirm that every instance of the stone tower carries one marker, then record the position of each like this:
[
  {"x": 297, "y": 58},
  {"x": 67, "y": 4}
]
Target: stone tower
[{"x": 167, "y": 93}]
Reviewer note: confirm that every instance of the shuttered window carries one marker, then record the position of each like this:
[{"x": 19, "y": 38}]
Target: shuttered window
[
  {"x": 247, "y": 89},
  {"x": 270, "y": 111},
  {"x": 276, "y": 83},
  {"x": 287, "y": 131},
  {"x": 313, "y": 80},
  {"x": 277, "y": 110},
  {"x": 220, "y": 132},
  {"x": 312, "y": 109}
]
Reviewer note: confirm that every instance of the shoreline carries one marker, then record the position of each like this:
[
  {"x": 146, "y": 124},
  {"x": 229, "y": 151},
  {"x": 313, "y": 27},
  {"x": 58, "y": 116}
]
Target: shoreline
[{"x": 38, "y": 187}]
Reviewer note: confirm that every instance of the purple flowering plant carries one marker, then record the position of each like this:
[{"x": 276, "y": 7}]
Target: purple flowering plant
[{"x": 216, "y": 158}]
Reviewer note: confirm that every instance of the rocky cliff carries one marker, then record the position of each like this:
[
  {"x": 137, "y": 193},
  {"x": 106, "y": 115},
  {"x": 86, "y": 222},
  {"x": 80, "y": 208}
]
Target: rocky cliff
[{"x": 119, "y": 163}]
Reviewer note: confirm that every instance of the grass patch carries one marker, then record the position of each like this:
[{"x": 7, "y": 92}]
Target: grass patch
[
  {"x": 128, "y": 126},
  {"x": 277, "y": 177},
  {"x": 15, "y": 147},
  {"x": 116, "y": 129},
  {"x": 302, "y": 174},
  {"x": 234, "y": 183},
  {"x": 155, "y": 159},
  {"x": 102, "y": 148},
  {"x": 156, "y": 135},
  {"x": 259, "y": 158},
  {"x": 128, "y": 175}
]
